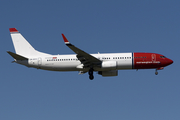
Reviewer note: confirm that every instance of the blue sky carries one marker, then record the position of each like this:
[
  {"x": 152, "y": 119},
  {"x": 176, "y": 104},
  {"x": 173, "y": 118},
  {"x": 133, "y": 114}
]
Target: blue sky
[{"x": 94, "y": 26}]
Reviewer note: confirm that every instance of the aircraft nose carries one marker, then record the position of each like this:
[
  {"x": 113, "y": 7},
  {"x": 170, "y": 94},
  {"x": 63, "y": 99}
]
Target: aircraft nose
[{"x": 169, "y": 61}]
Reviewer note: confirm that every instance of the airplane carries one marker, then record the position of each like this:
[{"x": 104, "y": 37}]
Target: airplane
[{"x": 106, "y": 64}]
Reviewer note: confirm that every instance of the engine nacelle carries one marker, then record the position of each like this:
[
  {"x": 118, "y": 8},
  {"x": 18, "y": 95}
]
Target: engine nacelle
[
  {"x": 109, "y": 65},
  {"x": 108, "y": 73}
]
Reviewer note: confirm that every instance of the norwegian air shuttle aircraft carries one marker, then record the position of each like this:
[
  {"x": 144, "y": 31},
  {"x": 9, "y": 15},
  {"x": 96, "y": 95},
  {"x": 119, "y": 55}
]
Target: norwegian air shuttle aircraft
[{"x": 105, "y": 64}]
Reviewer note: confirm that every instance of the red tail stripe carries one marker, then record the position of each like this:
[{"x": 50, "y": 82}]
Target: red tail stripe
[{"x": 13, "y": 30}]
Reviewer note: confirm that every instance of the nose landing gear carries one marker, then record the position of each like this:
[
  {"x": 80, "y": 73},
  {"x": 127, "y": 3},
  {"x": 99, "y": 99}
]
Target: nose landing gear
[
  {"x": 156, "y": 73},
  {"x": 161, "y": 68},
  {"x": 91, "y": 77}
]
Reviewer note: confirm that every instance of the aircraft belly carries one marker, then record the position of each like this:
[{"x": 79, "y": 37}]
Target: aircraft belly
[
  {"x": 124, "y": 64},
  {"x": 60, "y": 66}
]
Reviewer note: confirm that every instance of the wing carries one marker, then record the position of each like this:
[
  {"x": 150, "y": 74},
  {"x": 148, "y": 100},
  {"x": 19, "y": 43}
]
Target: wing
[{"x": 86, "y": 59}]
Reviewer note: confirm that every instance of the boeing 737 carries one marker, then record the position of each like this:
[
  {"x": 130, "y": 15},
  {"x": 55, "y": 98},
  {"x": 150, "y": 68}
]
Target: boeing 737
[{"x": 106, "y": 64}]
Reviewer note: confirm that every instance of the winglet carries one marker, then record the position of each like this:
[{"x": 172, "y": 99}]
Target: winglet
[
  {"x": 65, "y": 39},
  {"x": 13, "y": 30}
]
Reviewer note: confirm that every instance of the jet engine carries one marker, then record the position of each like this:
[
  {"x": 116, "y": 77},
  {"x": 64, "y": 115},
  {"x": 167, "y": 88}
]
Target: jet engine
[{"x": 109, "y": 65}]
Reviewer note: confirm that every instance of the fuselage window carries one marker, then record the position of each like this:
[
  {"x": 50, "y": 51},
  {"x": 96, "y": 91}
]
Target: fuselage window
[{"x": 162, "y": 57}]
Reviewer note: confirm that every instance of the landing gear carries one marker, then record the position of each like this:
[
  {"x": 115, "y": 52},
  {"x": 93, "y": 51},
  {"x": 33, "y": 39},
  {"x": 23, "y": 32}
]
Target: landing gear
[
  {"x": 161, "y": 68},
  {"x": 91, "y": 77},
  {"x": 156, "y": 73}
]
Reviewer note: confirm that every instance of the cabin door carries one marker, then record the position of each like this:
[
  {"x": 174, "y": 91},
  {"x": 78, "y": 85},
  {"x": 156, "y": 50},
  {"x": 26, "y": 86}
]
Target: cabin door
[{"x": 153, "y": 57}]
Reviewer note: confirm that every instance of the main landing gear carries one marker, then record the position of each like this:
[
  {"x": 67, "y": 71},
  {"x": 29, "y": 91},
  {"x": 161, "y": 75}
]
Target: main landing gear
[{"x": 91, "y": 77}]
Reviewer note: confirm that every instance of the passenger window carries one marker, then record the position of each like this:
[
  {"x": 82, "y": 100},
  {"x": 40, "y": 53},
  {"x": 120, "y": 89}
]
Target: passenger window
[{"x": 162, "y": 56}]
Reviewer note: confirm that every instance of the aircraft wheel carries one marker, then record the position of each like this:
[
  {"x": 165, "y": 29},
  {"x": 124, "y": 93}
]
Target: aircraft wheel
[
  {"x": 156, "y": 73},
  {"x": 91, "y": 77}
]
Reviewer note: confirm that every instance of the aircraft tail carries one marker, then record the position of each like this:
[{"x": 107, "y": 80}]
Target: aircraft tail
[{"x": 21, "y": 45}]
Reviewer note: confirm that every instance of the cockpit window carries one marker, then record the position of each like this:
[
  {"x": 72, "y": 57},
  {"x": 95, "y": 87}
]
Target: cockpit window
[{"x": 162, "y": 57}]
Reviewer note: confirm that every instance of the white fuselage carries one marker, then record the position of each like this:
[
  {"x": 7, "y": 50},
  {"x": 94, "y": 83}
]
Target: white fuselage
[{"x": 71, "y": 63}]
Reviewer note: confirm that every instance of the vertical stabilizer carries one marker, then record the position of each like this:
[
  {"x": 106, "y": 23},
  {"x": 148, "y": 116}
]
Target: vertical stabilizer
[{"x": 21, "y": 45}]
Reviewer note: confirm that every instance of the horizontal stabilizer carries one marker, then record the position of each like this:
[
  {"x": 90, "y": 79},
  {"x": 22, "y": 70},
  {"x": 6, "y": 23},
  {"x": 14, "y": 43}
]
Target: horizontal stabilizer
[{"x": 16, "y": 56}]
